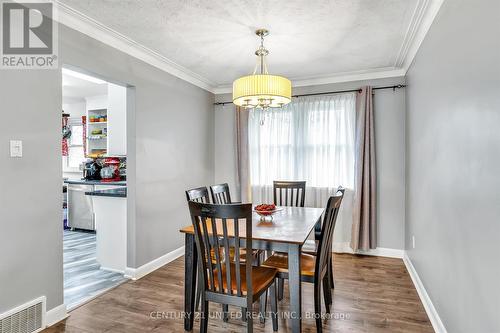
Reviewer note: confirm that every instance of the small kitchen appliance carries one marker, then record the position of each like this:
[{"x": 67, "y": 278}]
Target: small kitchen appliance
[
  {"x": 110, "y": 172},
  {"x": 91, "y": 170}
]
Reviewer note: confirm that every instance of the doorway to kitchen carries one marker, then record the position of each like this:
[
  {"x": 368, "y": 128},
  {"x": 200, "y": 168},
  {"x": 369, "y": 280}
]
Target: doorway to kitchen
[{"x": 94, "y": 164}]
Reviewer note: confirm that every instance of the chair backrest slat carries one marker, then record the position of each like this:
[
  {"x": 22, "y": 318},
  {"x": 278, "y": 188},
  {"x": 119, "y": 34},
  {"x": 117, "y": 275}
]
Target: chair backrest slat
[
  {"x": 227, "y": 256},
  {"x": 213, "y": 232},
  {"x": 220, "y": 194},
  {"x": 216, "y": 252},
  {"x": 199, "y": 194},
  {"x": 284, "y": 193},
  {"x": 237, "y": 257},
  {"x": 327, "y": 228},
  {"x": 208, "y": 252}
]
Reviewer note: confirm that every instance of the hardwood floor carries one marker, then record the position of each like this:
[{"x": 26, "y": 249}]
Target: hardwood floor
[
  {"x": 83, "y": 276},
  {"x": 372, "y": 294}
]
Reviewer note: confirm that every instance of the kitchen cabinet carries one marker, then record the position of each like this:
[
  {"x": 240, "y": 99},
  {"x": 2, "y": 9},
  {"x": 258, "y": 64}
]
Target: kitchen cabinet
[
  {"x": 110, "y": 208},
  {"x": 81, "y": 210},
  {"x": 117, "y": 120},
  {"x": 107, "y": 134}
]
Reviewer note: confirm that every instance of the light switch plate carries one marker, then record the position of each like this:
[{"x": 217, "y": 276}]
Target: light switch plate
[{"x": 16, "y": 148}]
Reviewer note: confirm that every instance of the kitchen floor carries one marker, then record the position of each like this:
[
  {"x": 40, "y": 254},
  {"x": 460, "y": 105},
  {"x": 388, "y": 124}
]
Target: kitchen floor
[{"x": 83, "y": 278}]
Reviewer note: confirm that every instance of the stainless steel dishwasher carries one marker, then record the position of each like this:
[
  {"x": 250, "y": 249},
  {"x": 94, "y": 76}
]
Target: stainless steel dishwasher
[{"x": 80, "y": 208}]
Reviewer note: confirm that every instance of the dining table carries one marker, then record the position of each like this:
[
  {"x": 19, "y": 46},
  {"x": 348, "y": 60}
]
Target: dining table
[{"x": 286, "y": 232}]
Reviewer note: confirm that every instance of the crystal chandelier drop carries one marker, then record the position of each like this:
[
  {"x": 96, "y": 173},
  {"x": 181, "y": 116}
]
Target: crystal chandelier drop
[{"x": 262, "y": 90}]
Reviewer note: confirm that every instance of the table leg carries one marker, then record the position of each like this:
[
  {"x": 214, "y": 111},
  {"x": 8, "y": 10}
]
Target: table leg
[
  {"x": 190, "y": 266},
  {"x": 295, "y": 287}
]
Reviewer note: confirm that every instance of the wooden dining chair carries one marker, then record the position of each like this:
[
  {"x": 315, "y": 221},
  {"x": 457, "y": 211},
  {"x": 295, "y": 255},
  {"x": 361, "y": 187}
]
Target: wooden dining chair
[
  {"x": 314, "y": 269},
  {"x": 311, "y": 246},
  {"x": 220, "y": 194},
  {"x": 199, "y": 194},
  {"x": 289, "y": 193},
  {"x": 226, "y": 281}
]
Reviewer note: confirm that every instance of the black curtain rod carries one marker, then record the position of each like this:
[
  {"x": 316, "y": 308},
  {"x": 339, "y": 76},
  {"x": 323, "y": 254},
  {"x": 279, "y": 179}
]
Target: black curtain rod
[{"x": 399, "y": 86}]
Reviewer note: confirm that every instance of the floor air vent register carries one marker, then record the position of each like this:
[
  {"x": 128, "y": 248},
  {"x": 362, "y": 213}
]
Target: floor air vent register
[{"x": 28, "y": 318}]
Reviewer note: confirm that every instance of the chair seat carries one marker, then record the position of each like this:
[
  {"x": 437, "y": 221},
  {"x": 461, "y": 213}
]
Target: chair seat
[
  {"x": 279, "y": 261},
  {"x": 262, "y": 278},
  {"x": 310, "y": 247},
  {"x": 243, "y": 253}
]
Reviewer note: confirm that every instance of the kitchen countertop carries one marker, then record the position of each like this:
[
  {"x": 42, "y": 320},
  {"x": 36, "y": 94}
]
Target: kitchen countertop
[
  {"x": 94, "y": 182},
  {"x": 115, "y": 193}
]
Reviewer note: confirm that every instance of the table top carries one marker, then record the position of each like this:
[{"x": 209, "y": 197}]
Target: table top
[{"x": 290, "y": 225}]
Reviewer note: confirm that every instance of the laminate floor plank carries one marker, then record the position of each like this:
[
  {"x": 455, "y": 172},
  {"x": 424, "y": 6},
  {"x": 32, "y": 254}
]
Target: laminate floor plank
[
  {"x": 83, "y": 276},
  {"x": 372, "y": 295}
]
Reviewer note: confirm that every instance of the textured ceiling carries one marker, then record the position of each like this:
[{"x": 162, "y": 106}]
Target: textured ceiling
[{"x": 309, "y": 38}]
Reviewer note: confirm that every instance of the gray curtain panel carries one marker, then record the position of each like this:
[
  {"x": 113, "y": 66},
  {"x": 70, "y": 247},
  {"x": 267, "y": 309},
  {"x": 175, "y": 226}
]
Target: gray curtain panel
[
  {"x": 364, "y": 225},
  {"x": 242, "y": 155}
]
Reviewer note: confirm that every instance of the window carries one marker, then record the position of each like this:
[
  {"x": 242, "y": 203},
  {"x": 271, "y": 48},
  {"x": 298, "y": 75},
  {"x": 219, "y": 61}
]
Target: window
[
  {"x": 310, "y": 139},
  {"x": 75, "y": 147}
]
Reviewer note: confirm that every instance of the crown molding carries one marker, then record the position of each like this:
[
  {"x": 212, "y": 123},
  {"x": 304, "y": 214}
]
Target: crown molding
[
  {"x": 372, "y": 74},
  {"x": 422, "y": 18},
  {"x": 424, "y": 14},
  {"x": 92, "y": 28}
]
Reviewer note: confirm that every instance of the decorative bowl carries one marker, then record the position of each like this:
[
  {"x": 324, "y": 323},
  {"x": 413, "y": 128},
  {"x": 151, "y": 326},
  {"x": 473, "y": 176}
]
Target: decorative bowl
[{"x": 266, "y": 211}]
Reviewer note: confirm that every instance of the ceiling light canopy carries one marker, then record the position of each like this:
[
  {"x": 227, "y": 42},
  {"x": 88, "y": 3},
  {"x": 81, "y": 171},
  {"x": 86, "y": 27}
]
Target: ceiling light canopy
[{"x": 262, "y": 90}]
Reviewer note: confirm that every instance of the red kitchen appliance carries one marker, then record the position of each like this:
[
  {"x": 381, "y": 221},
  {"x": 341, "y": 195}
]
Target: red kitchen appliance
[{"x": 110, "y": 171}]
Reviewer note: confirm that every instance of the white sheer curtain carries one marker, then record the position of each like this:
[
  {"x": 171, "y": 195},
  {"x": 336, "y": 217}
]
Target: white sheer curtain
[{"x": 310, "y": 139}]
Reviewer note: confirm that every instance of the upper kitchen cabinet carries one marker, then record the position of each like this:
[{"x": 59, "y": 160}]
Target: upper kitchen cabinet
[
  {"x": 117, "y": 120},
  {"x": 107, "y": 122}
]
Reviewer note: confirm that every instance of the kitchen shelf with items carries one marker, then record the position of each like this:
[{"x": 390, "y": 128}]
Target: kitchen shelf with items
[
  {"x": 98, "y": 116},
  {"x": 97, "y": 132},
  {"x": 107, "y": 123}
]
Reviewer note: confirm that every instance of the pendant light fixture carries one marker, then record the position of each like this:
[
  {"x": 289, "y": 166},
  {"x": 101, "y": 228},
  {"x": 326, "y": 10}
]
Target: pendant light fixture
[{"x": 262, "y": 90}]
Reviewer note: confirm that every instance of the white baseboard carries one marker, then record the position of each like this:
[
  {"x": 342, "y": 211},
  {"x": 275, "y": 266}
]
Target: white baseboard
[
  {"x": 344, "y": 247},
  {"x": 436, "y": 322},
  {"x": 137, "y": 273},
  {"x": 55, "y": 315}
]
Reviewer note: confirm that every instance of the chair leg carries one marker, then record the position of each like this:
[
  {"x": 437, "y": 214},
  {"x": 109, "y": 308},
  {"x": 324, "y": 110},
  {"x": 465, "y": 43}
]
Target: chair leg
[
  {"x": 281, "y": 289},
  {"x": 225, "y": 310},
  {"x": 199, "y": 291},
  {"x": 317, "y": 305},
  {"x": 274, "y": 307},
  {"x": 204, "y": 317},
  {"x": 327, "y": 293},
  {"x": 249, "y": 321},
  {"x": 262, "y": 307}
]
